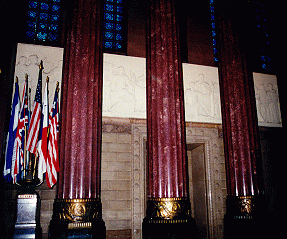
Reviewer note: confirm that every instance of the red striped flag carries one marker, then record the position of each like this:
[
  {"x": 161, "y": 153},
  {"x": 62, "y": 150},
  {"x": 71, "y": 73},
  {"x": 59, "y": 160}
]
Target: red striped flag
[
  {"x": 34, "y": 127},
  {"x": 42, "y": 145},
  {"x": 53, "y": 158}
]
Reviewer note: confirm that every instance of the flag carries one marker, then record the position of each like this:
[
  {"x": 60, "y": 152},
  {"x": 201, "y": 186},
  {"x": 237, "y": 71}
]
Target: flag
[
  {"x": 34, "y": 127},
  {"x": 42, "y": 146},
  {"x": 18, "y": 149},
  {"x": 53, "y": 158},
  {"x": 12, "y": 133}
]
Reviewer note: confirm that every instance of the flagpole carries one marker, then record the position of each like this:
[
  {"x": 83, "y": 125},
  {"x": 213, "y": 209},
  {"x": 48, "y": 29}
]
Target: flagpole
[{"x": 25, "y": 138}]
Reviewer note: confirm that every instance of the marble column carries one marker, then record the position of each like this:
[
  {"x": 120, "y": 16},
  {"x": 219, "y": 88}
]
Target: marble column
[
  {"x": 78, "y": 203},
  {"x": 240, "y": 126},
  {"x": 167, "y": 193}
]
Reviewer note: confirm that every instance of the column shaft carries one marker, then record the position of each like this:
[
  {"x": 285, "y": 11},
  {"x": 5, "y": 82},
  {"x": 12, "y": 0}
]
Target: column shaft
[
  {"x": 240, "y": 125},
  {"x": 78, "y": 204},
  {"x": 80, "y": 140},
  {"x": 244, "y": 212},
  {"x": 165, "y": 105}
]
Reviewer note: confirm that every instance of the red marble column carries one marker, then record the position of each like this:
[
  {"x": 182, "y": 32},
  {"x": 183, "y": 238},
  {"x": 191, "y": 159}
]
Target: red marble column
[
  {"x": 78, "y": 196},
  {"x": 80, "y": 131},
  {"x": 168, "y": 205},
  {"x": 240, "y": 127},
  {"x": 165, "y": 105}
]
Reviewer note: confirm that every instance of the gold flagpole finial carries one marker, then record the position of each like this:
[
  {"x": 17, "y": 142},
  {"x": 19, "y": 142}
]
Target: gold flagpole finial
[
  {"x": 41, "y": 67},
  {"x": 47, "y": 79},
  {"x": 16, "y": 79},
  {"x": 26, "y": 76},
  {"x": 57, "y": 87}
]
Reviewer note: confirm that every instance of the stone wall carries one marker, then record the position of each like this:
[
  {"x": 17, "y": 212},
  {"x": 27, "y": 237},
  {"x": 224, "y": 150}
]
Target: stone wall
[{"x": 123, "y": 177}]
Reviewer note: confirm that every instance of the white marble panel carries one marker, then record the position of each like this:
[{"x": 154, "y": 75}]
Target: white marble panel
[
  {"x": 124, "y": 90},
  {"x": 27, "y": 60},
  {"x": 201, "y": 94},
  {"x": 267, "y": 100}
]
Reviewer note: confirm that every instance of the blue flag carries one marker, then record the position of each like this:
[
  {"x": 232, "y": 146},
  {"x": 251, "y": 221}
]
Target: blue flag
[{"x": 13, "y": 124}]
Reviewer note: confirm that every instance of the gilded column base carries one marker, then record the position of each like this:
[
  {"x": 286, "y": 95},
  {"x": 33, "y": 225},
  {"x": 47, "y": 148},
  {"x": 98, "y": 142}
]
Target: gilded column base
[
  {"x": 168, "y": 218},
  {"x": 77, "y": 216},
  {"x": 245, "y": 217}
]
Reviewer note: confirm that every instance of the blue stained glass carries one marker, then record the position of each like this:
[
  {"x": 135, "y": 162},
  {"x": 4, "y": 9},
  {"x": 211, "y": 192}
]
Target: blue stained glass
[
  {"x": 31, "y": 24},
  {"x": 32, "y": 4},
  {"x": 56, "y": 8},
  {"x": 55, "y": 18},
  {"x": 109, "y": 26},
  {"x": 113, "y": 16},
  {"x": 119, "y": 27},
  {"x": 108, "y": 45},
  {"x": 45, "y": 6},
  {"x": 119, "y": 18},
  {"x": 53, "y": 37},
  {"x": 120, "y": 9},
  {"x": 109, "y": 16},
  {"x": 109, "y": 7},
  {"x": 109, "y": 35},
  {"x": 42, "y": 36},
  {"x": 32, "y": 14},
  {"x": 54, "y": 27},
  {"x": 119, "y": 37},
  {"x": 118, "y": 46},
  {"x": 30, "y": 34},
  {"x": 43, "y": 26},
  {"x": 44, "y": 16}
]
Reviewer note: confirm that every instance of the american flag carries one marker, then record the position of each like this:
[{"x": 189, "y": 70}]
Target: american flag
[
  {"x": 36, "y": 116},
  {"x": 53, "y": 159},
  {"x": 18, "y": 150}
]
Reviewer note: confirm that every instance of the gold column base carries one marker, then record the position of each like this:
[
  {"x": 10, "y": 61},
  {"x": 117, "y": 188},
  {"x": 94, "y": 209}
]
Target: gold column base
[
  {"x": 244, "y": 207},
  {"x": 168, "y": 210},
  {"x": 77, "y": 211}
]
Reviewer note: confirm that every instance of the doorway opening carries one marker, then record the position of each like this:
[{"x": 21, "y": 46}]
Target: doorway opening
[{"x": 198, "y": 187}]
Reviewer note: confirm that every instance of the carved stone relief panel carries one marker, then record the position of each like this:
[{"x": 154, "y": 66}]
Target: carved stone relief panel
[{"x": 27, "y": 62}]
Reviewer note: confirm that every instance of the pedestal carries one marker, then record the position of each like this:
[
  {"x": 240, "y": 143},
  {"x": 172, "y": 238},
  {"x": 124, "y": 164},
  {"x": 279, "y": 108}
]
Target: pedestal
[
  {"x": 168, "y": 218},
  {"x": 28, "y": 218},
  {"x": 77, "y": 218}
]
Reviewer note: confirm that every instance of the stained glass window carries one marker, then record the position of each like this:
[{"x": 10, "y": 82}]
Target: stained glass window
[
  {"x": 264, "y": 43},
  {"x": 43, "y": 21},
  {"x": 113, "y": 32},
  {"x": 211, "y": 2}
]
